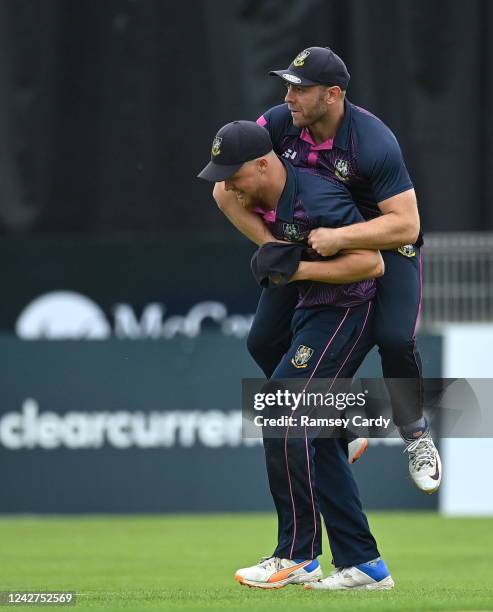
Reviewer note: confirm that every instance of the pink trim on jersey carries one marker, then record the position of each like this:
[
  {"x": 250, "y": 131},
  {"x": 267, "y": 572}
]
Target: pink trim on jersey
[
  {"x": 311, "y": 493},
  {"x": 290, "y": 491},
  {"x": 262, "y": 121},
  {"x": 312, "y": 158},
  {"x": 307, "y": 137},
  {"x": 353, "y": 347},
  {"x": 325, "y": 349},
  {"x": 268, "y": 215}
]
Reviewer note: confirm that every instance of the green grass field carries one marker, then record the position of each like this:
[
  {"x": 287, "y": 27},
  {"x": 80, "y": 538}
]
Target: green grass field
[{"x": 187, "y": 563}]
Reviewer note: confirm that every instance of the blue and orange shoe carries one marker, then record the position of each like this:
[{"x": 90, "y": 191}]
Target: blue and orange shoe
[{"x": 275, "y": 573}]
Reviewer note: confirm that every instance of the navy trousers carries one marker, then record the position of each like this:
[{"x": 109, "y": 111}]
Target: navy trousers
[
  {"x": 309, "y": 476},
  {"x": 393, "y": 326}
]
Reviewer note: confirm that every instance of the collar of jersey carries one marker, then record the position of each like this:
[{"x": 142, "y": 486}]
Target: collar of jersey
[
  {"x": 285, "y": 206},
  {"x": 341, "y": 140},
  {"x": 307, "y": 137}
]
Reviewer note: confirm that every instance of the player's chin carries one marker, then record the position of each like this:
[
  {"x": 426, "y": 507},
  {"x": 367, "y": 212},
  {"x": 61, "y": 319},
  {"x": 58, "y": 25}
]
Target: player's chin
[
  {"x": 298, "y": 119},
  {"x": 245, "y": 200}
]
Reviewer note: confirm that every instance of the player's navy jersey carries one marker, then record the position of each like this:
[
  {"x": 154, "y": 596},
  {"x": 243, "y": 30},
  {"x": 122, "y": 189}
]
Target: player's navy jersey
[
  {"x": 364, "y": 156},
  {"x": 309, "y": 201}
]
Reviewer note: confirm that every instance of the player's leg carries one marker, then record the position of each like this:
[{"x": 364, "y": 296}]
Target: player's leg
[
  {"x": 355, "y": 555},
  {"x": 396, "y": 311},
  {"x": 270, "y": 338},
  {"x": 290, "y": 460},
  {"x": 270, "y": 334},
  {"x": 333, "y": 336}
]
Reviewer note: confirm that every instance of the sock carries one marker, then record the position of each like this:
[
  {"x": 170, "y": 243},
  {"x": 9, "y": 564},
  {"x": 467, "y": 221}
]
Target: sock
[{"x": 414, "y": 430}]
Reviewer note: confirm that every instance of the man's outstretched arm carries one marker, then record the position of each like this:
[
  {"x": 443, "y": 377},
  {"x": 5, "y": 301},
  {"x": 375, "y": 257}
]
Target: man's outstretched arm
[{"x": 249, "y": 223}]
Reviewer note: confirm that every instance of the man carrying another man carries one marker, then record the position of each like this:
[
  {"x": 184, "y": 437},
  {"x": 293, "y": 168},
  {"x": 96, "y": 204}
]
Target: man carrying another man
[
  {"x": 319, "y": 129},
  {"x": 329, "y": 337}
]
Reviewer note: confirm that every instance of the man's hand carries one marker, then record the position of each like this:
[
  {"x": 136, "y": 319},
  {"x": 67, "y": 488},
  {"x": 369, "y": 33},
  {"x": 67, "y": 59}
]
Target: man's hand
[{"x": 325, "y": 241}]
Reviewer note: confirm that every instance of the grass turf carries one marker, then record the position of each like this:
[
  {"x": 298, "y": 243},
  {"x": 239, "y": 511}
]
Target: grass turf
[{"x": 187, "y": 562}]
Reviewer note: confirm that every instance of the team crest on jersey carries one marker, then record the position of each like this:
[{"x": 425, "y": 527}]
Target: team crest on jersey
[
  {"x": 292, "y": 231},
  {"x": 342, "y": 169},
  {"x": 216, "y": 146},
  {"x": 302, "y": 356},
  {"x": 299, "y": 60},
  {"x": 407, "y": 250}
]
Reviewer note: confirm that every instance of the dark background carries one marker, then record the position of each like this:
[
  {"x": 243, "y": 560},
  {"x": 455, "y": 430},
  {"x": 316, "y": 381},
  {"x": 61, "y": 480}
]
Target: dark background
[
  {"x": 107, "y": 113},
  {"x": 108, "y": 108}
]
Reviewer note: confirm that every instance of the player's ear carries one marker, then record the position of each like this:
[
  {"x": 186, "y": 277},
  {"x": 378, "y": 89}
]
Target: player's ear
[
  {"x": 334, "y": 94},
  {"x": 262, "y": 164}
]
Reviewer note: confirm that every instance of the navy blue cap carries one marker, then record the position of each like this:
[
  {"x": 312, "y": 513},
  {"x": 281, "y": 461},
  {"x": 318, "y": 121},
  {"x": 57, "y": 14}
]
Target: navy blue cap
[
  {"x": 235, "y": 143},
  {"x": 315, "y": 66}
]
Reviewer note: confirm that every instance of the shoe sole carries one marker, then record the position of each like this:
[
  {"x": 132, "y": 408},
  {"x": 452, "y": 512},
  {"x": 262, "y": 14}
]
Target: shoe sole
[
  {"x": 384, "y": 585},
  {"x": 275, "y": 585},
  {"x": 361, "y": 451}
]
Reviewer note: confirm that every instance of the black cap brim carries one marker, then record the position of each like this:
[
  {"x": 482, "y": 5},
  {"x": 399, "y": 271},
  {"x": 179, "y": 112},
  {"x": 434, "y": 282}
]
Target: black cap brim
[
  {"x": 217, "y": 172},
  {"x": 291, "y": 77}
]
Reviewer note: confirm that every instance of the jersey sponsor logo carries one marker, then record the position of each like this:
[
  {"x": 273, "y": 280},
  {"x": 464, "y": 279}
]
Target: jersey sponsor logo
[
  {"x": 289, "y": 154},
  {"x": 299, "y": 60},
  {"x": 216, "y": 146},
  {"x": 291, "y": 78},
  {"x": 292, "y": 231},
  {"x": 342, "y": 169},
  {"x": 407, "y": 250},
  {"x": 302, "y": 356}
]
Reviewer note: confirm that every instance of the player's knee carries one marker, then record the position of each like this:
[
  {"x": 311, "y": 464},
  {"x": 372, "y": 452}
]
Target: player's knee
[
  {"x": 394, "y": 342},
  {"x": 274, "y": 454},
  {"x": 278, "y": 446},
  {"x": 264, "y": 349},
  {"x": 296, "y": 447},
  {"x": 255, "y": 342}
]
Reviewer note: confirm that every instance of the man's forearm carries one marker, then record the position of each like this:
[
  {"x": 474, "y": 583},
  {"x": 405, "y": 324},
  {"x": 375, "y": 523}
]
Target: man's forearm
[
  {"x": 247, "y": 222},
  {"x": 397, "y": 225},
  {"x": 345, "y": 268},
  {"x": 385, "y": 232}
]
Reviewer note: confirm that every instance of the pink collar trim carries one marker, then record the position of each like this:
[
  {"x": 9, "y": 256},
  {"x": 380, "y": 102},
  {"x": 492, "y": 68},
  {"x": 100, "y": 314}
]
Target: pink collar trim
[
  {"x": 268, "y": 215},
  {"x": 307, "y": 137}
]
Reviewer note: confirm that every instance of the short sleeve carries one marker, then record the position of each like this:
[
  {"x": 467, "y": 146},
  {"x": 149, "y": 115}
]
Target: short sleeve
[{"x": 385, "y": 168}]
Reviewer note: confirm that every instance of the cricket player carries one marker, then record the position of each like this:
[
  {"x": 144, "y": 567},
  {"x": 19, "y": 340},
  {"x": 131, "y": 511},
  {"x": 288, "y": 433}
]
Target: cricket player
[
  {"x": 319, "y": 129},
  {"x": 330, "y": 335}
]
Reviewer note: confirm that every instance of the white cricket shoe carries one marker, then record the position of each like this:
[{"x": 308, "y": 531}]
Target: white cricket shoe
[
  {"x": 274, "y": 573},
  {"x": 425, "y": 467},
  {"x": 371, "y": 576},
  {"x": 356, "y": 448}
]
